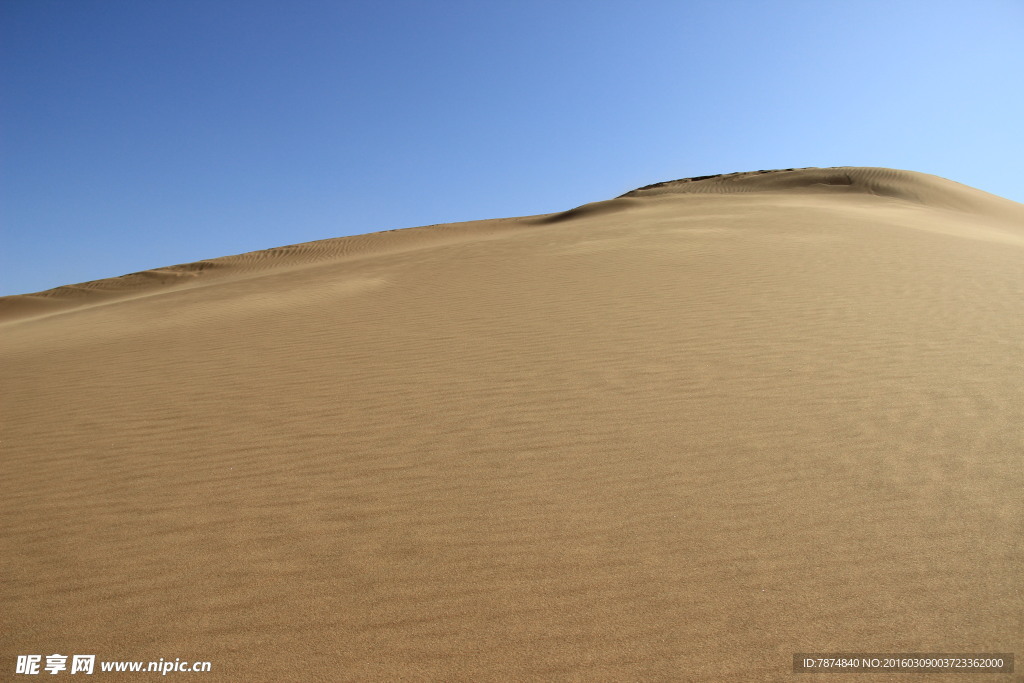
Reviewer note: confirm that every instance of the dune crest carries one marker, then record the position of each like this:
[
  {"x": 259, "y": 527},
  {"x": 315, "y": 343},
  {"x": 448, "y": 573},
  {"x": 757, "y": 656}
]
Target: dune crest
[
  {"x": 908, "y": 186},
  {"x": 919, "y": 188}
]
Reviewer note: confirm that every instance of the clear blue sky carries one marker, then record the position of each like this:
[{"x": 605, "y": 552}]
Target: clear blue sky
[{"x": 143, "y": 133}]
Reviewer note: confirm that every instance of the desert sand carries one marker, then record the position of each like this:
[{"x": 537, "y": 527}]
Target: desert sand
[{"x": 677, "y": 435}]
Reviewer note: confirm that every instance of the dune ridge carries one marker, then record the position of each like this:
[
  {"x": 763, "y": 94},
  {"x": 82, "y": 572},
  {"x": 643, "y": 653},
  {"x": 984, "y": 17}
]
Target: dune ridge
[
  {"x": 678, "y": 435},
  {"x": 926, "y": 190},
  {"x": 921, "y": 188},
  {"x": 249, "y": 264}
]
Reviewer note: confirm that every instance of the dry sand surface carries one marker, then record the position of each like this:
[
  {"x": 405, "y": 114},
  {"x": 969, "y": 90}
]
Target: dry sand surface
[{"x": 678, "y": 435}]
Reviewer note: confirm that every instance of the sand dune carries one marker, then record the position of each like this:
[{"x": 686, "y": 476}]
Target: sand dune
[{"x": 677, "y": 435}]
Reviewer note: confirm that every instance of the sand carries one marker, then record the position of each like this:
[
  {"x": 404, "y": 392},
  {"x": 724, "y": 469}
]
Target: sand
[{"x": 677, "y": 435}]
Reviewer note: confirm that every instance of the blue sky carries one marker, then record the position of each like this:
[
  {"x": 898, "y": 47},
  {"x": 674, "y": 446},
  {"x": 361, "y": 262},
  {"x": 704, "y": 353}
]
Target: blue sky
[{"x": 143, "y": 133}]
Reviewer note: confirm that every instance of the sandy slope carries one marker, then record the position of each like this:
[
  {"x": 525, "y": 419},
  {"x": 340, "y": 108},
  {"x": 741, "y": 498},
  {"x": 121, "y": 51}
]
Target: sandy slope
[{"x": 681, "y": 434}]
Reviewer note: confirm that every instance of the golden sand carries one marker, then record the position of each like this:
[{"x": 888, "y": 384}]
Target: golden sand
[{"x": 678, "y": 435}]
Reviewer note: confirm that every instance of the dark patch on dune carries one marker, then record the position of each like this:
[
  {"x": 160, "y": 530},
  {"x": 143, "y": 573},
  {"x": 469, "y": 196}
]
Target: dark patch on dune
[
  {"x": 698, "y": 178},
  {"x": 593, "y": 209}
]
